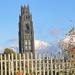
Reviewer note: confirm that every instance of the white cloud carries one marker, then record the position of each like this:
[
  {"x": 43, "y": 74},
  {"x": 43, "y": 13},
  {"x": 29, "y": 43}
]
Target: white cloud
[
  {"x": 1, "y": 50},
  {"x": 12, "y": 39},
  {"x": 15, "y": 48},
  {"x": 69, "y": 39},
  {"x": 66, "y": 39},
  {"x": 40, "y": 45}
]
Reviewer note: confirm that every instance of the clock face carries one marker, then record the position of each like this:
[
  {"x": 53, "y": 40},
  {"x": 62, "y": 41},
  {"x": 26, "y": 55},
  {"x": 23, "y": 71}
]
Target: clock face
[{"x": 27, "y": 28}]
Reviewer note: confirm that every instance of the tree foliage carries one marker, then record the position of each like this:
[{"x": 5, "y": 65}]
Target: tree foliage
[
  {"x": 68, "y": 45},
  {"x": 9, "y": 51},
  {"x": 71, "y": 32},
  {"x": 70, "y": 36}
]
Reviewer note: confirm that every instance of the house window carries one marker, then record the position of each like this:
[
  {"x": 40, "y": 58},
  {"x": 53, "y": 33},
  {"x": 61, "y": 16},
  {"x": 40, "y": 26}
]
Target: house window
[
  {"x": 26, "y": 47},
  {"x": 27, "y": 28},
  {"x": 26, "y": 15},
  {"x": 25, "y": 42},
  {"x": 29, "y": 42},
  {"x": 22, "y": 12},
  {"x": 29, "y": 47}
]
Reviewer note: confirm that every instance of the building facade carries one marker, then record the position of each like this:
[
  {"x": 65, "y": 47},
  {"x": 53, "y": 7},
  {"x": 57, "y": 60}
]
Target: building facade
[{"x": 26, "y": 32}]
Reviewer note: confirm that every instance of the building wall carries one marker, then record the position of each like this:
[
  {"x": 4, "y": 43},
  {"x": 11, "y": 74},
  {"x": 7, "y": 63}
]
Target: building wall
[{"x": 26, "y": 32}]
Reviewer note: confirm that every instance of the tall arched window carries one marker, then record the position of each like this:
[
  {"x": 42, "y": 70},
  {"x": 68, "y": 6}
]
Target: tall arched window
[{"x": 27, "y": 28}]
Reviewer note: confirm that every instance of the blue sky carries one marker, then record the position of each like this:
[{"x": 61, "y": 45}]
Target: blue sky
[{"x": 52, "y": 19}]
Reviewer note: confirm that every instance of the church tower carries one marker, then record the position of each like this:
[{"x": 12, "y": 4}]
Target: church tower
[{"x": 26, "y": 32}]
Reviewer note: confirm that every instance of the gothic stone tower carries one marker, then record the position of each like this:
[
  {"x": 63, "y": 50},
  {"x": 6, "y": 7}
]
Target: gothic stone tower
[{"x": 26, "y": 33}]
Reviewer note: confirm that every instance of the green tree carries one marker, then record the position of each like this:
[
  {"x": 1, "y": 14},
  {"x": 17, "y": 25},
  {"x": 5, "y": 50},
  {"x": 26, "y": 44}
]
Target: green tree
[
  {"x": 69, "y": 47},
  {"x": 9, "y": 51}
]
